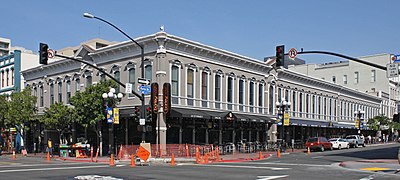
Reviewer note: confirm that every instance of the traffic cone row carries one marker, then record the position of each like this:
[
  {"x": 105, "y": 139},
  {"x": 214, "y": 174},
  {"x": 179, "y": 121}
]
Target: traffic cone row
[
  {"x": 48, "y": 157},
  {"x": 112, "y": 163},
  {"x": 173, "y": 160},
  {"x": 14, "y": 157},
  {"x": 279, "y": 153}
]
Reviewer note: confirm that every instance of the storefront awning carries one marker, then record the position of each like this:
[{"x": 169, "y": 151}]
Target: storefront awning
[
  {"x": 347, "y": 126},
  {"x": 188, "y": 113},
  {"x": 254, "y": 118},
  {"x": 303, "y": 122}
]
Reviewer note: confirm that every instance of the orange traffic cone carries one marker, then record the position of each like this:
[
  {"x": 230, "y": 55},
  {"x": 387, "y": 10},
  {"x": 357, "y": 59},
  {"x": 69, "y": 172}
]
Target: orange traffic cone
[
  {"x": 279, "y": 153},
  {"x": 173, "y": 160},
  {"x": 133, "y": 161},
  {"x": 261, "y": 156},
  {"x": 13, "y": 155},
  {"x": 308, "y": 150},
  {"x": 48, "y": 156},
  {"x": 112, "y": 160}
]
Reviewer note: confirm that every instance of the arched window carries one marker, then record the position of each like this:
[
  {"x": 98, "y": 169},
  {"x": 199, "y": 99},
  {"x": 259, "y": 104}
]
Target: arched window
[
  {"x": 251, "y": 95},
  {"x": 190, "y": 86},
  {"x": 131, "y": 78},
  {"x": 204, "y": 87},
  {"x": 294, "y": 104},
  {"x": 230, "y": 92},
  {"x": 117, "y": 76},
  {"x": 68, "y": 91},
  {"x": 217, "y": 89},
  {"x": 261, "y": 97},
  {"x": 175, "y": 84},
  {"x": 148, "y": 70},
  {"x": 41, "y": 96},
  {"x": 301, "y": 104},
  {"x": 60, "y": 91},
  {"x": 241, "y": 94},
  {"x": 271, "y": 99},
  {"x": 51, "y": 93}
]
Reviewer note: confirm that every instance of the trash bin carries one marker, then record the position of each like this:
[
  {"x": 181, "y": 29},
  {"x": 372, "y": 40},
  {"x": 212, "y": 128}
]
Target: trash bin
[{"x": 64, "y": 150}]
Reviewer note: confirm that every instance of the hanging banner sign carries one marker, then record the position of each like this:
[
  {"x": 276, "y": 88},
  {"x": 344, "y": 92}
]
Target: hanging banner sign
[
  {"x": 109, "y": 112},
  {"x": 286, "y": 119},
  {"x": 116, "y": 116}
]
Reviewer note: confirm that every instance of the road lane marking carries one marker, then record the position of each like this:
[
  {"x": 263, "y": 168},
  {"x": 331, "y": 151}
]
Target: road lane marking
[
  {"x": 248, "y": 167},
  {"x": 33, "y": 165},
  {"x": 270, "y": 177},
  {"x": 49, "y": 169},
  {"x": 292, "y": 164},
  {"x": 374, "y": 169}
]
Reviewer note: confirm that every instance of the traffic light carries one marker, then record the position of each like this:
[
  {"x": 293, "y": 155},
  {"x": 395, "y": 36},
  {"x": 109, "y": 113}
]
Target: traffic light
[
  {"x": 137, "y": 114},
  {"x": 154, "y": 97},
  {"x": 167, "y": 97},
  {"x": 280, "y": 55},
  {"x": 149, "y": 114},
  {"x": 43, "y": 54}
]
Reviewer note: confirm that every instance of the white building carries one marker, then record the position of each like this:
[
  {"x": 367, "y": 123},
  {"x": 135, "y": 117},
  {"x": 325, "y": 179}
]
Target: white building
[{"x": 358, "y": 76}]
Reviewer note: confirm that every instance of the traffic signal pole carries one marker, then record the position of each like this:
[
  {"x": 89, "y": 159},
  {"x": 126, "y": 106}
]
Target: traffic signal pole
[{"x": 345, "y": 57}]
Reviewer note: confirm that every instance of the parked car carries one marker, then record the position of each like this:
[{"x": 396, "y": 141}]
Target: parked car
[
  {"x": 355, "y": 140},
  {"x": 320, "y": 143},
  {"x": 339, "y": 143}
]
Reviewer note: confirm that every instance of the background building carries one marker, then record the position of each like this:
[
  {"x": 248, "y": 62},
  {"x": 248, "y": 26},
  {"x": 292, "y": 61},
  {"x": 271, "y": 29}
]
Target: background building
[{"x": 358, "y": 76}]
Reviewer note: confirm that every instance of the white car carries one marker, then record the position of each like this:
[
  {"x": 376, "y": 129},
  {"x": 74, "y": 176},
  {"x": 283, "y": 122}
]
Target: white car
[{"x": 339, "y": 143}]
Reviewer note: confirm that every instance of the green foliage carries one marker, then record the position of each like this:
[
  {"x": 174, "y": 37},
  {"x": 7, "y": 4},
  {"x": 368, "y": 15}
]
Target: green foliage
[
  {"x": 58, "y": 116},
  {"x": 89, "y": 104},
  {"x": 3, "y": 109},
  {"x": 378, "y": 122},
  {"x": 21, "y": 108}
]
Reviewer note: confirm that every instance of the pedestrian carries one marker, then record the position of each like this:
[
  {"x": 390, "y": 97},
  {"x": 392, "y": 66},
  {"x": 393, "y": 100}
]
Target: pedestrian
[
  {"x": 387, "y": 138},
  {"x": 369, "y": 139},
  {"x": 50, "y": 147}
]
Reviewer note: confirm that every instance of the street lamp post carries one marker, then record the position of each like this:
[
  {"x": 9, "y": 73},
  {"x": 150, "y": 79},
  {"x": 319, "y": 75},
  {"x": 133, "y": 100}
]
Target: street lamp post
[
  {"x": 360, "y": 116},
  {"x": 282, "y": 107},
  {"x": 111, "y": 99},
  {"x": 142, "y": 109}
]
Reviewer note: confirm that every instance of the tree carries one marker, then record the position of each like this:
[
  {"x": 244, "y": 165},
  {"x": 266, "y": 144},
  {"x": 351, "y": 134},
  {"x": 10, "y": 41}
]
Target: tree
[
  {"x": 21, "y": 110},
  {"x": 3, "y": 110},
  {"x": 59, "y": 117},
  {"x": 377, "y": 122},
  {"x": 89, "y": 106}
]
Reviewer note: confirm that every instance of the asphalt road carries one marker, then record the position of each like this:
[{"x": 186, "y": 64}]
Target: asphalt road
[{"x": 318, "y": 165}]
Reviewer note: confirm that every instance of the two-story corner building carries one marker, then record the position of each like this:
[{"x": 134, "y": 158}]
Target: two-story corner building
[
  {"x": 217, "y": 96},
  {"x": 360, "y": 77}
]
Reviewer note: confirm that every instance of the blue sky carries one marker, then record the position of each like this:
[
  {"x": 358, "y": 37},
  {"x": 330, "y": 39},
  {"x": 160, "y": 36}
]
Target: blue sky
[{"x": 250, "y": 28}]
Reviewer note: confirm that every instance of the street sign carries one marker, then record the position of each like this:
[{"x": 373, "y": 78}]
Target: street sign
[
  {"x": 142, "y": 122},
  {"x": 51, "y": 53},
  {"x": 392, "y": 70},
  {"x": 128, "y": 88},
  {"x": 143, "y": 81},
  {"x": 396, "y": 58},
  {"x": 144, "y": 89},
  {"x": 292, "y": 53},
  {"x": 142, "y": 153}
]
